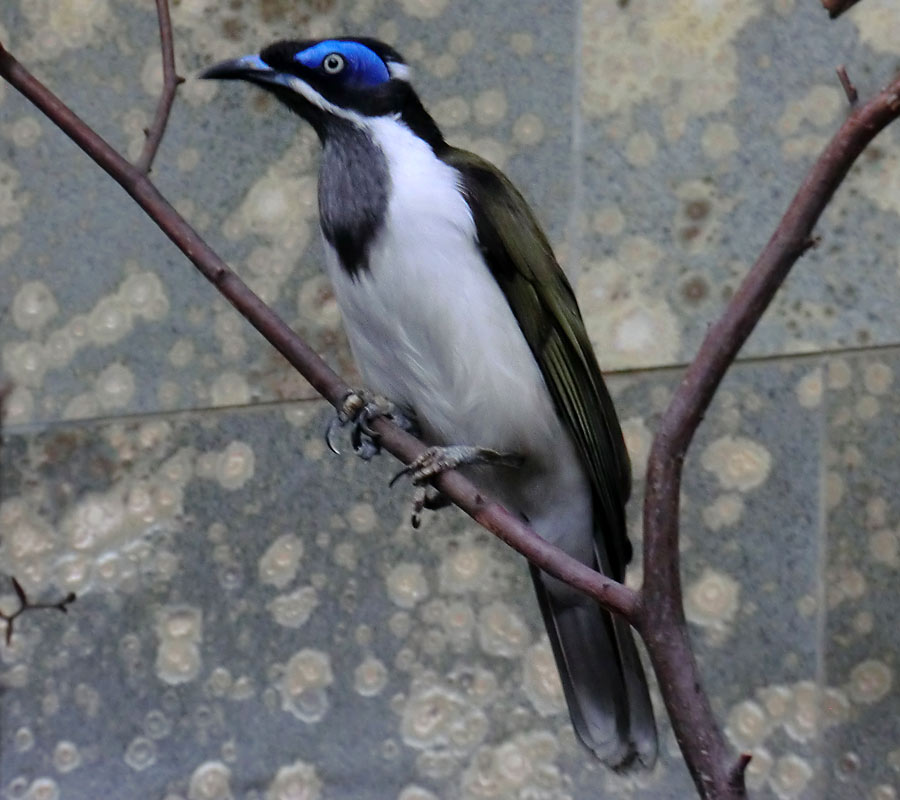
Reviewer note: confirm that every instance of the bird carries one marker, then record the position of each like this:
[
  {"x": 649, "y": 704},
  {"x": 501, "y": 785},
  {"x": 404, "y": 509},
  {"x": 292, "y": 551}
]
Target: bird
[{"x": 459, "y": 314}]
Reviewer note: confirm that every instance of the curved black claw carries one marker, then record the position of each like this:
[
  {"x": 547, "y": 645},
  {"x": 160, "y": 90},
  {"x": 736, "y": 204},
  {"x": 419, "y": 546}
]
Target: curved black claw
[
  {"x": 360, "y": 408},
  {"x": 333, "y": 424}
]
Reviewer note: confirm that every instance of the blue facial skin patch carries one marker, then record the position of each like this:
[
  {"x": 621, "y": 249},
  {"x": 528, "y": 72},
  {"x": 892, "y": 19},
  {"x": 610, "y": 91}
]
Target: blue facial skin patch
[{"x": 364, "y": 67}]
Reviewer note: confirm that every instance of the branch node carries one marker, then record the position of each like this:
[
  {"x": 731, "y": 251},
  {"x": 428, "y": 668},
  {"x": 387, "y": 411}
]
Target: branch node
[
  {"x": 810, "y": 243},
  {"x": 736, "y": 774},
  {"x": 847, "y": 84}
]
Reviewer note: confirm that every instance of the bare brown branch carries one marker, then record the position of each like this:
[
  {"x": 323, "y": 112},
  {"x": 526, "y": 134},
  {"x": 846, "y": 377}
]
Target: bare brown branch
[
  {"x": 661, "y": 616},
  {"x": 171, "y": 80},
  {"x": 837, "y": 7}
]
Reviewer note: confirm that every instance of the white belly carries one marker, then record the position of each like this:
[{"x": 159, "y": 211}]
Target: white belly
[{"x": 431, "y": 329}]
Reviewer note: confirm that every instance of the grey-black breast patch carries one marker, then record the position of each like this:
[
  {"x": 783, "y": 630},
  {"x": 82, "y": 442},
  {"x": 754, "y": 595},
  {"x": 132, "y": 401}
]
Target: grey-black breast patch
[{"x": 353, "y": 187}]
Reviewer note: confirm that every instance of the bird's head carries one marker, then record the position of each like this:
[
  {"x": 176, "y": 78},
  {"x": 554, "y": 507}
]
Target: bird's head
[{"x": 330, "y": 80}]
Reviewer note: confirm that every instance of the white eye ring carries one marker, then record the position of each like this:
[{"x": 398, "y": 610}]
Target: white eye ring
[{"x": 333, "y": 63}]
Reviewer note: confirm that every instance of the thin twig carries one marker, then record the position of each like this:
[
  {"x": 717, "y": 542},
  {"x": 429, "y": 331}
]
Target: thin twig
[
  {"x": 25, "y": 605},
  {"x": 661, "y": 615},
  {"x": 171, "y": 80},
  {"x": 837, "y": 7},
  {"x": 847, "y": 85}
]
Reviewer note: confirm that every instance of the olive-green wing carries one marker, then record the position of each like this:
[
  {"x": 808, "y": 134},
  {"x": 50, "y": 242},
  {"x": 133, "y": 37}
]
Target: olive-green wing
[{"x": 521, "y": 260}]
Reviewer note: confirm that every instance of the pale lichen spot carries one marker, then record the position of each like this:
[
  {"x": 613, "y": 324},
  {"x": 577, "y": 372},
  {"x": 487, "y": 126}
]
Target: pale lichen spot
[
  {"x": 413, "y": 792},
  {"x": 511, "y": 767},
  {"x": 810, "y": 388},
  {"x": 210, "y": 781},
  {"x": 297, "y": 781},
  {"x": 33, "y": 306},
  {"x": 640, "y": 150},
  {"x": 839, "y": 374},
  {"x": 747, "y": 725},
  {"x": 521, "y": 43},
  {"x": 712, "y": 600},
  {"x": 115, "y": 387},
  {"x": 609, "y": 220},
  {"x": 644, "y": 332},
  {"x": 867, "y": 407},
  {"x": 230, "y": 389},
  {"x": 235, "y": 465},
  {"x": 362, "y": 517},
  {"x": 452, "y": 111},
  {"x": 719, "y": 140},
  {"x": 370, "y": 677},
  {"x": 726, "y": 510},
  {"x": 884, "y": 547},
  {"x": 465, "y": 569},
  {"x": 820, "y": 106},
  {"x": 490, "y": 106},
  {"x": 407, "y": 585},
  {"x": 878, "y": 377},
  {"x": 738, "y": 462},
  {"x": 870, "y": 681},
  {"x": 293, "y": 610},
  {"x": 528, "y": 129},
  {"x": 25, "y": 363},
  {"x": 462, "y": 41},
  {"x": 303, "y": 685},
  {"x": 790, "y": 776},
  {"x": 278, "y": 565},
  {"x": 43, "y": 788},
  {"x": 179, "y": 630},
  {"x": 878, "y": 24},
  {"x": 140, "y": 753},
  {"x": 442, "y": 66},
  {"x": 66, "y": 756},
  {"x": 501, "y": 631},
  {"x": 436, "y": 716},
  {"x": 802, "y": 720}
]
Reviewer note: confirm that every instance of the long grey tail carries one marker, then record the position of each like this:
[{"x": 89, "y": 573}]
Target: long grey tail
[{"x": 602, "y": 678}]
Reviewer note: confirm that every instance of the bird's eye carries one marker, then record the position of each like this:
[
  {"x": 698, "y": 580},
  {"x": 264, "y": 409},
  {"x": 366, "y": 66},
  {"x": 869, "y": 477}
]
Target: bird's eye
[{"x": 333, "y": 63}]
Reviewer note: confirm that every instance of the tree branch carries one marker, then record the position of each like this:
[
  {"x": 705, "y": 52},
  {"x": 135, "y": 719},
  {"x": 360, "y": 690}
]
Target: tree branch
[
  {"x": 171, "y": 81},
  {"x": 661, "y": 615}
]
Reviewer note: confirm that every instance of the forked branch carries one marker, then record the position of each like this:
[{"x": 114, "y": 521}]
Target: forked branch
[{"x": 171, "y": 81}]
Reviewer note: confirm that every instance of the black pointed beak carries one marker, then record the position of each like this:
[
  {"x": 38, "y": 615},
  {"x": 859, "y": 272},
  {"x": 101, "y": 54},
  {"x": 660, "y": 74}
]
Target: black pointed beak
[{"x": 246, "y": 68}]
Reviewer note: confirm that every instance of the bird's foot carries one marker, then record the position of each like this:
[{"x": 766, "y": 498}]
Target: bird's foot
[
  {"x": 435, "y": 460},
  {"x": 360, "y": 408}
]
